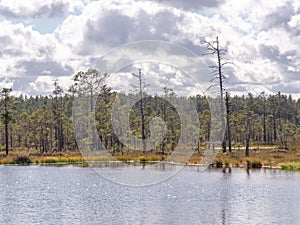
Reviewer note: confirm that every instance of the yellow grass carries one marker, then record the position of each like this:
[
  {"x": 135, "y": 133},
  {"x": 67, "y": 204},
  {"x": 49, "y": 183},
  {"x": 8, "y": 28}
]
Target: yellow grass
[{"x": 266, "y": 156}]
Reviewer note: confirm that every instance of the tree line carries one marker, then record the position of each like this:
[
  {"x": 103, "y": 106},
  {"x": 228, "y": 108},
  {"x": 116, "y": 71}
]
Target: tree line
[{"x": 44, "y": 123}]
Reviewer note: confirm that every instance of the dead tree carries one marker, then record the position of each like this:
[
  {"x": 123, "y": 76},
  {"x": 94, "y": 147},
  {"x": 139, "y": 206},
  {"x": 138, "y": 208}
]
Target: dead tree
[
  {"x": 262, "y": 95},
  {"x": 228, "y": 133},
  {"x": 139, "y": 76},
  {"x": 248, "y": 130},
  {"x": 218, "y": 78},
  {"x": 58, "y": 91}
]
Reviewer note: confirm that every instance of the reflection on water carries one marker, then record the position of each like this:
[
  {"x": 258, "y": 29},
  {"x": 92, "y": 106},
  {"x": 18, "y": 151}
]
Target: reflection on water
[{"x": 74, "y": 195}]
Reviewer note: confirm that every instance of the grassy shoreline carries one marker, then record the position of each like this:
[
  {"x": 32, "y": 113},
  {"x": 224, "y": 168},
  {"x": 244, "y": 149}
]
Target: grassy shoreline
[{"x": 264, "y": 157}]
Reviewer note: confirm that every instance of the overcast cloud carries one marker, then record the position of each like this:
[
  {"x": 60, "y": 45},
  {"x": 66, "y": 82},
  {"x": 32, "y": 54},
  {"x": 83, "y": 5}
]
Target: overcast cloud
[{"x": 43, "y": 40}]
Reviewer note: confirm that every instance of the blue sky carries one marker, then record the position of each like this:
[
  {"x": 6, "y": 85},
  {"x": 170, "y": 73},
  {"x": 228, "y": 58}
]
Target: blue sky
[{"x": 44, "y": 40}]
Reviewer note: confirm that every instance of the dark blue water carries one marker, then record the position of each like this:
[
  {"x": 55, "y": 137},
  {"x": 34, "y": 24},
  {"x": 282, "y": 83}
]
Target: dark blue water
[{"x": 74, "y": 195}]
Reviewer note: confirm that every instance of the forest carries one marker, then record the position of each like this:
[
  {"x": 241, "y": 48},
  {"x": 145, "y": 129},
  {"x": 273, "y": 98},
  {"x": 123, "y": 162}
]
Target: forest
[{"x": 44, "y": 123}]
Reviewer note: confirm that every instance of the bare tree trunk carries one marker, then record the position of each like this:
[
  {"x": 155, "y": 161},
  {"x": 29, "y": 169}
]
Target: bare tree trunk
[
  {"x": 218, "y": 75},
  {"x": 247, "y": 153},
  {"x": 142, "y": 113},
  {"x": 248, "y": 131},
  {"x": 139, "y": 76},
  {"x": 11, "y": 137},
  {"x": 221, "y": 93},
  {"x": 228, "y": 123},
  {"x": 274, "y": 127},
  {"x": 247, "y": 146},
  {"x": 6, "y": 138},
  {"x": 264, "y": 122},
  {"x": 58, "y": 114}
]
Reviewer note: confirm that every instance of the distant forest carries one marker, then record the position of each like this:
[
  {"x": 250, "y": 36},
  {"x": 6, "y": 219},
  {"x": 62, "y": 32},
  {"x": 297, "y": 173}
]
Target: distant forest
[{"x": 44, "y": 123}]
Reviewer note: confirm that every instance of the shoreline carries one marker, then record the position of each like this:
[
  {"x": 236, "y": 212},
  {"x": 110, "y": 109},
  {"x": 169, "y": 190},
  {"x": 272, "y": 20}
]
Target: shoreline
[
  {"x": 123, "y": 163},
  {"x": 75, "y": 161},
  {"x": 265, "y": 157}
]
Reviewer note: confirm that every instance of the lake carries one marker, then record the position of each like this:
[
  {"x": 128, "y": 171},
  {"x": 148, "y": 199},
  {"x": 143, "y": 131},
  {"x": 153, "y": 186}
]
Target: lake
[{"x": 77, "y": 195}]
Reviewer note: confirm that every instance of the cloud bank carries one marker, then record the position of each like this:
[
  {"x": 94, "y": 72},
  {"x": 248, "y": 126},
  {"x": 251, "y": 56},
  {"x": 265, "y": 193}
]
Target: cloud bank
[{"x": 261, "y": 38}]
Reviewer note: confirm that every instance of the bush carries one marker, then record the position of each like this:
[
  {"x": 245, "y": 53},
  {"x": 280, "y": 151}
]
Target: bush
[
  {"x": 22, "y": 159},
  {"x": 254, "y": 163}
]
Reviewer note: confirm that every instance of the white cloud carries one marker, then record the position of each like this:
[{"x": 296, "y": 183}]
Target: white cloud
[
  {"x": 22, "y": 43},
  {"x": 45, "y": 84},
  {"x": 191, "y": 5},
  {"x": 262, "y": 37},
  {"x": 33, "y": 8},
  {"x": 42, "y": 83},
  {"x": 6, "y": 83},
  {"x": 295, "y": 21}
]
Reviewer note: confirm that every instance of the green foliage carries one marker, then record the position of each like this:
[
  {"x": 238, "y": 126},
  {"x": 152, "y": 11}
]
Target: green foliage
[{"x": 290, "y": 166}]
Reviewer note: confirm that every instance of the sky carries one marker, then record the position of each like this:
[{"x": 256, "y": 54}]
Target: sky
[{"x": 45, "y": 40}]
